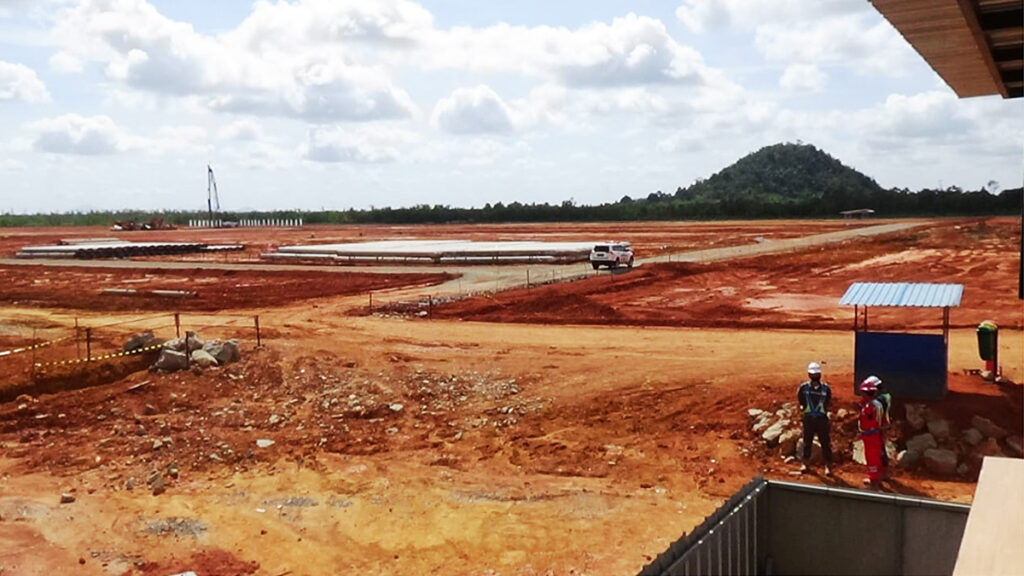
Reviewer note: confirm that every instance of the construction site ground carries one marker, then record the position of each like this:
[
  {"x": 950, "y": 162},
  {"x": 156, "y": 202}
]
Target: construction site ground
[{"x": 561, "y": 428}]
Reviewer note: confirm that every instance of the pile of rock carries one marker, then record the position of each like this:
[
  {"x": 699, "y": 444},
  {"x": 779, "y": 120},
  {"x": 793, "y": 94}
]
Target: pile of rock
[
  {"x": 782, "y": 429},
  {"x": 191, "y": 351},
  {"x": 934, "y": 443},
  {"x": 931, "y": 440}
]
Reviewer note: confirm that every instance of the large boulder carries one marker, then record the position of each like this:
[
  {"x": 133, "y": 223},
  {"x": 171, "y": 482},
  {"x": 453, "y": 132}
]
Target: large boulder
[
  {"x": 973, "y": 437},
  {"x": 225, "y": 352},
  {"x": 921, "y": 442},
  {"x": 858, "y": 452},
  {"x": 1014, "y": 444},
  {"x": 170, "y": 361},
  {"x": 816, "y": 455},
  {"x": 772, "y": 434},
  {"x": 138, "y": 341},
  {"x": 940, "y": 461},
  {"x": 203, "y": 359},
  {"x": 762, "y": 423},
  {"x": 989, "y": 447},
  {"x": 939, "y": 428},
  {"x": 787, "y": 441},
  {"x": 178, "y": 344},
  {"x": 916, "y": 415},
  {"x": 907, "y": 458},
  {"x": 988, "y": 428}
]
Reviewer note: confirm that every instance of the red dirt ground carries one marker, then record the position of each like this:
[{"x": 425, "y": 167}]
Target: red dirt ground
[
  {"x": 532, "y": 445},
  {"x": 648, "y": 238},
  {"x": 82, "y": 288},
  {"x": 795, "y": 290}
]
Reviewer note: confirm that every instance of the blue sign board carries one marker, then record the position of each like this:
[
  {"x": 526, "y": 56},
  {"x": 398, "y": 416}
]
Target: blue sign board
[{"x": 912, "y": 366}]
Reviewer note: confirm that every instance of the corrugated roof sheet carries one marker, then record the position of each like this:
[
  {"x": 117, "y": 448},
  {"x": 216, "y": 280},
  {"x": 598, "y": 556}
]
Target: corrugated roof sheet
[{"x": 902, "y": 294}]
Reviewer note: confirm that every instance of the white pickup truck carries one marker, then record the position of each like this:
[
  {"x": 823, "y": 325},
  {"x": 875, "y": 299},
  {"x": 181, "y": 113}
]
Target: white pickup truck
[{"x": 612, "y": 255}]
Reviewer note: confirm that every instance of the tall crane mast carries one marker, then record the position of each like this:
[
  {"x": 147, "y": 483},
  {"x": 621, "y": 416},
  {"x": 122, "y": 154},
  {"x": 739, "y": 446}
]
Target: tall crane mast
[{"x": 211, "y": 192}]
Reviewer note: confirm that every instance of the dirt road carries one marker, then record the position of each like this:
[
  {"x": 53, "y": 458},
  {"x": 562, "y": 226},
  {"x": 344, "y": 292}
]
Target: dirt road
[
  {"x": 482, "y": 278},
  {"x": 524, "y": 444}
]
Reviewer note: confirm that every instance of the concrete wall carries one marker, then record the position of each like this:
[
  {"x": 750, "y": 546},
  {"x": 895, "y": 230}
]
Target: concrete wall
[
  {"x": 791, "y": 529},
  {"x": 814, "y": 530},
  {"x": 933, "y": 540}
]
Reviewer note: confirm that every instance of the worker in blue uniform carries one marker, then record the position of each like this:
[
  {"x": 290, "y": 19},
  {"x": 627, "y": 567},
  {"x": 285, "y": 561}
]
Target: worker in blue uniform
[{"x": 814, "y": 396}]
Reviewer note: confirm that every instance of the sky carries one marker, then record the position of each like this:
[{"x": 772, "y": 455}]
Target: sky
[{"x": 338, "y": 104}]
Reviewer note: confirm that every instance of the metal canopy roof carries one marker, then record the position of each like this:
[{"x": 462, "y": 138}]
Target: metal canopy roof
[
  {"x": 906, "y": 294},
  {"x": 976, "y": 46}
]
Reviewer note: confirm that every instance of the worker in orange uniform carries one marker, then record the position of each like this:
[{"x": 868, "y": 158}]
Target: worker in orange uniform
[
  {"x": 870, "y": 423},
  {"x": 884, "y": 399}
]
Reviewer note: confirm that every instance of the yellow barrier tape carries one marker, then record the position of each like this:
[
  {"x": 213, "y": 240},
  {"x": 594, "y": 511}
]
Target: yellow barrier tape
[
  {"x": 97, "y": 358},
  {"x": 14, "y": 351}
]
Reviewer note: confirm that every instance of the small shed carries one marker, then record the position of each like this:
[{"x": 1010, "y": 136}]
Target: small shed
[
  {"x": 858, "y": 213},
  {"x": 911, "y": 365}
]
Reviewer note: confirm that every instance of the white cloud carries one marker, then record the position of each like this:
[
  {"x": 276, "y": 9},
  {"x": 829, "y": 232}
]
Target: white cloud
[
  {"x": 472, "y": 111},
  {"x": 367, "y": 146},
  {"x": 323, "y": 92},
  {"x": 803, "y": 78},
  {"x": 545, "y": 105},
  {"x": 411, "y": 109},
  {"x": 11, "y": 165},
  {"x": 932, "y": 116},
  {"x": 19, "y": 82},
  {"x": 74, "y": 134},
  {"x": 253, "y": 69},
  {"x": 273, "y": 28},
  {"x": 242, "y": 131},
  {"x": 821, "y": 32},
  {"x": 631, "y": 50},
  {"x": 171, "y": 140},
  {"x": 66, "y": 62},
  {"x": 328, "y": 61},
  {"x": 704, "y": 15}
]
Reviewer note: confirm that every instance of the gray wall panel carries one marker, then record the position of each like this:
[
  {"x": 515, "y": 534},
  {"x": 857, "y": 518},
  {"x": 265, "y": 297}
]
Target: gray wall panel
[
  {"x": 822, "y": 534},
  {"x": 932, "y": 540}
]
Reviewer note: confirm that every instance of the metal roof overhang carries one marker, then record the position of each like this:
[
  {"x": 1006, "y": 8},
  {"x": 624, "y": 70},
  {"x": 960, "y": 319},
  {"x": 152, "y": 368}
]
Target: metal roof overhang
[
  {"x": 902, "y": 294},
  {"x": 976, "y": 46}
]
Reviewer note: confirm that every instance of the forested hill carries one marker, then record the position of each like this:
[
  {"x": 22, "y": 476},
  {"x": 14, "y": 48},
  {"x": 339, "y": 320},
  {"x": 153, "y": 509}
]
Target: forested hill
[
  {"x": 780, "y": 181},
  {"x": 784, "y": 172}
]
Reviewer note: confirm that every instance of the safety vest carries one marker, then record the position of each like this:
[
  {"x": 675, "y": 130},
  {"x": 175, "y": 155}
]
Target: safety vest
[
  {"x": 815, "y": 402},
  {"x": 885, "y": 400}
]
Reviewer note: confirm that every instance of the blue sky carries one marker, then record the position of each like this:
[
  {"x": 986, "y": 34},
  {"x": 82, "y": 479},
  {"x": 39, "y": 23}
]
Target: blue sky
[{"x": 338, "y": 104}]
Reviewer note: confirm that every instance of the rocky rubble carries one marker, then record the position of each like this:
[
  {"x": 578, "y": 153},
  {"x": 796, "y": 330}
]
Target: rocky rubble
[
  {"x": 945, "y": 451},
  {"x": 924, "y": 438},
  {"x": 200, "y": 354},
  {"x": 159, "y": 430}
]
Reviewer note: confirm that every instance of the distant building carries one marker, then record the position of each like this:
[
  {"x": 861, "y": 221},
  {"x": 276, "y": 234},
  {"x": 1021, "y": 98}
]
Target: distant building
[{"x": 859, "y": 213}]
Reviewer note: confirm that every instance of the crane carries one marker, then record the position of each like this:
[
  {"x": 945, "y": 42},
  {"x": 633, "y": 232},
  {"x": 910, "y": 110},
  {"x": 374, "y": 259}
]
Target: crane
[{"x": 211, "y": 192}]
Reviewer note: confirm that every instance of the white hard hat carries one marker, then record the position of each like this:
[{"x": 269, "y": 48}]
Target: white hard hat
[{"x": 814, "y": 368}]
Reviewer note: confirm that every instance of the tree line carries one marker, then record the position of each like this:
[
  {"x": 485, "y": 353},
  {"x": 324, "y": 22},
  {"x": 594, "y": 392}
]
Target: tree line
[
  {"x": 786, "y": 180},
  {"x": 657, "y": 206}
]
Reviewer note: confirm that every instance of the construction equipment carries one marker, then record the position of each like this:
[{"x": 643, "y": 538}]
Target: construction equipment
[
  {"x": 157, "y": 223},
  {"x": 211, "y": 192}
]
